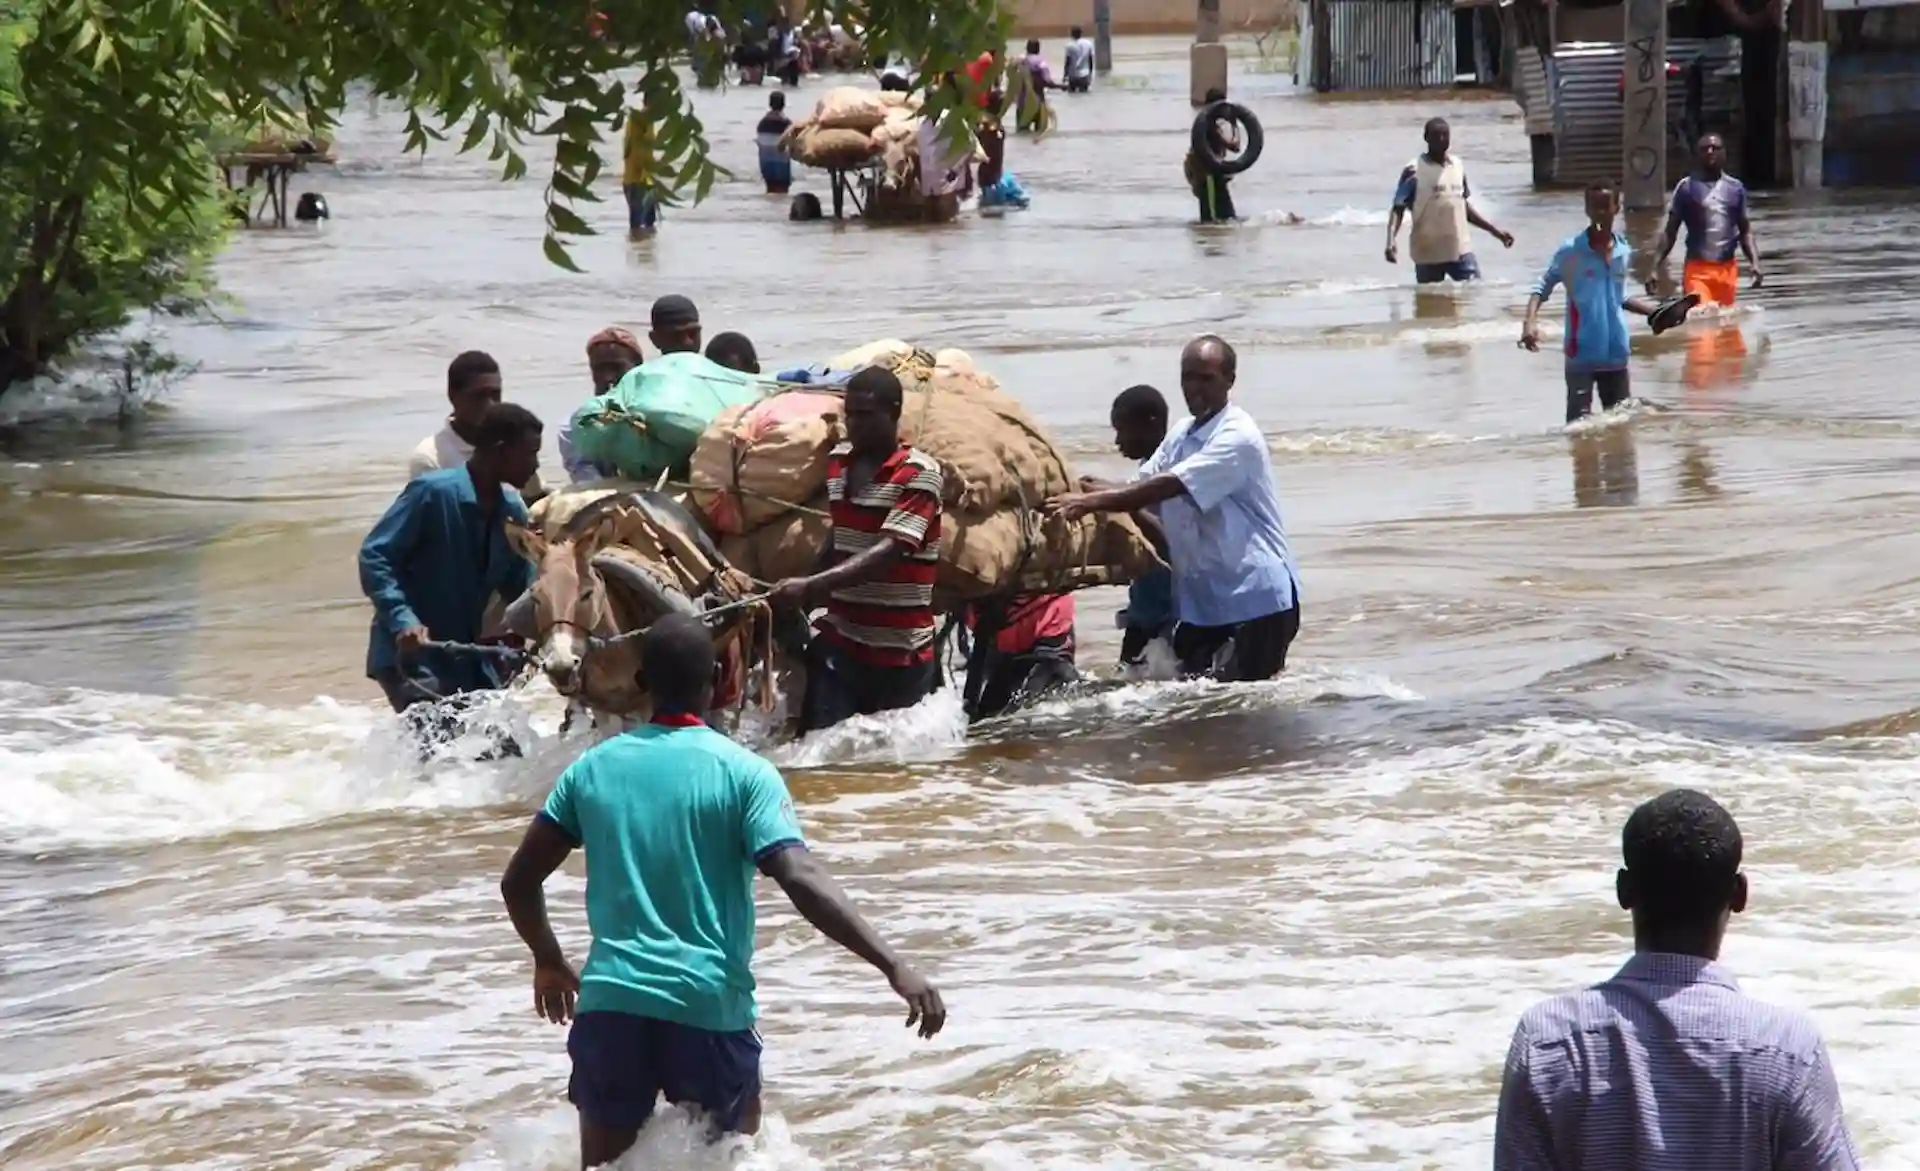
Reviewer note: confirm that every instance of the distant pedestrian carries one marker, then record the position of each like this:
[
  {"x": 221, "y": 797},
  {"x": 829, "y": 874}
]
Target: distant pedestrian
[
  {"x": 1433, "y": 188},
  {"x": 1079, "y": 62},
  {"x": 1027, "y": 88},
  {"x": 1668, "y": 1066},
  {"x": 637, "y": 174},
  {"x": 1713, "y": 206},
  {"x": 775, "y": 167},
  {"x": 1209, "y": 186}
]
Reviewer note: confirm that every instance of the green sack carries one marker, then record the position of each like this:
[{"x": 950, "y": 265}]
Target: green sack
[{"x": 651, "y": 420}]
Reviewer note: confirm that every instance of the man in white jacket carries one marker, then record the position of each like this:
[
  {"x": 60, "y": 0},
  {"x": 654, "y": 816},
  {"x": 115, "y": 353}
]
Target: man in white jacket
[{"x": 1433, "y": 188}]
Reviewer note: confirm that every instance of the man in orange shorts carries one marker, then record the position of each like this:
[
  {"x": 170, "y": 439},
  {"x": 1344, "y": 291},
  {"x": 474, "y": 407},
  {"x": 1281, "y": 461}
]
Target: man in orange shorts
[{"x": 1713, "y": 205}]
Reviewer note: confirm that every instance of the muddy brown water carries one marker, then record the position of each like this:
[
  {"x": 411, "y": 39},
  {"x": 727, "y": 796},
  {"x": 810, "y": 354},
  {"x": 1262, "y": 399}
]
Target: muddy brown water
[{"x": 1178, "y": 926}]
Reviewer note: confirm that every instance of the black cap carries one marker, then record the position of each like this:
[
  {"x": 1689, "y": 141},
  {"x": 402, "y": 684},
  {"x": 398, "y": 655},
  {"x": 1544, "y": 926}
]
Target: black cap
[{"x": 674, "y": 310}]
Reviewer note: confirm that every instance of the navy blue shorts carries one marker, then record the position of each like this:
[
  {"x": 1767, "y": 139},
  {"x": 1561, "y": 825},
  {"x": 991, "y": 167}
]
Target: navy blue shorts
[
  {"x": 622, "y": 1063},
  {"x": 1467, "y": 268}
]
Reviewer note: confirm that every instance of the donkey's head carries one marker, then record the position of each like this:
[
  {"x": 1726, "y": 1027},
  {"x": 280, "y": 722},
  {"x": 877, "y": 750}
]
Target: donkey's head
[{"x": 569, "y": 603}]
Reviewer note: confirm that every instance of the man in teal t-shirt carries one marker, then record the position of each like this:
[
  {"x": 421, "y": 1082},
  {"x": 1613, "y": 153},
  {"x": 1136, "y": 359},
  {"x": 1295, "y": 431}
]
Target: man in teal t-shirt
[{"x": 675, "y": 818}]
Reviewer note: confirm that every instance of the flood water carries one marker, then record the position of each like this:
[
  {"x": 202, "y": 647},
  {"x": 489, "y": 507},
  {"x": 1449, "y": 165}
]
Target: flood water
[{"x": 1178, "y": 926}]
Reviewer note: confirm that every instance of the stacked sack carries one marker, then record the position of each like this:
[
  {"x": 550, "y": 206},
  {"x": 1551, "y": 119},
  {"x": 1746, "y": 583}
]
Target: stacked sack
[
  {"x": 759, "y": 476},
  {"x": 840, "y": 132},
  {"x": 851, "y": 127}
]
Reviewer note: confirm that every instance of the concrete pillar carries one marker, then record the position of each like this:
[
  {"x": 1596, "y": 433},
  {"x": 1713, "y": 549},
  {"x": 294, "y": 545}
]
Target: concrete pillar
[
  {"x": 1208, "y": 65},
  {"x": 1207, "y": 22},
  {"x": 1643, "y": 151},
  {"x": 1807, "y": 111},
  {"x": 1207, "y": 60},
  {"x": 1102, "y": 37}
]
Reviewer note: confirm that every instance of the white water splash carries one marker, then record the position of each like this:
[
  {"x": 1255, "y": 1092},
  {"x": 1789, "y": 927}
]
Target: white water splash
[{"x": 671, "y": 1141}]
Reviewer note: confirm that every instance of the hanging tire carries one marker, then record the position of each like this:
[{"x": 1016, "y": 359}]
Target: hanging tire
[{"x": 1252, "y": 138}]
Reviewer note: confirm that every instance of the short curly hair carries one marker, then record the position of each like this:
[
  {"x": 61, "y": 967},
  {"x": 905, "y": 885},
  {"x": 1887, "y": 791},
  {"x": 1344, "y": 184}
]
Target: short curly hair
[{"x": 1682, "y": 851}]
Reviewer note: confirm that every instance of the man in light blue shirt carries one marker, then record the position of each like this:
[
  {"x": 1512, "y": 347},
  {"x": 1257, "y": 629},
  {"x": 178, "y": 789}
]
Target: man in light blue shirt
[
  {"x": 1592, "y": 264},
  {"x": 675, "y": 818},
  {"x": 1235, "y": 588}
]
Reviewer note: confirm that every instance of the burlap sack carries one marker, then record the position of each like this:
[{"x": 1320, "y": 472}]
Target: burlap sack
[
  {"x": 1009, "y": 552},
  {"x": 787, "y": 547},
  {"x": 993, "y": 453},
  {"x": 901, "y": 126},
  {"x": 754, "y": 464},
  {"x": 957, "y": 363},
  {"x": 849, "y": 107},
  {"x": 1005, "y": 552},
  {"x": 820, "y": 146}
]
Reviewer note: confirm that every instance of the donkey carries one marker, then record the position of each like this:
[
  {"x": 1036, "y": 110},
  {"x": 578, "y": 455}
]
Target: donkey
[
  {"x": 573, "y": 622},
  {"x": 581, "y": 632}
]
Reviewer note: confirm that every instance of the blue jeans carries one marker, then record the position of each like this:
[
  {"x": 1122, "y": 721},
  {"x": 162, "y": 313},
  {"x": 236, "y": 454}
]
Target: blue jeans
[
  {"x": 643, "y": 208},
  {"x": 621, "y": 1063},
  {"x": 1467, "y": 268}
]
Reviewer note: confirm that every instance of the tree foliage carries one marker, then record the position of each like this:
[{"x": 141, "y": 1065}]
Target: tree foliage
[{"x": 110, "y": 109}]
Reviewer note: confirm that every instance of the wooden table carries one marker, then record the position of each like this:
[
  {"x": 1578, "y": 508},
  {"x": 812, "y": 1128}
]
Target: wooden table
[{"x": 277, "y": 169}]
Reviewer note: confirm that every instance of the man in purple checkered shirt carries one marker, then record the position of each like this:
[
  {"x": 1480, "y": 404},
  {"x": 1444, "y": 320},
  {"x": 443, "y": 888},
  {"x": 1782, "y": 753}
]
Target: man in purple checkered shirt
[{"x": 1668, "y": 1066}]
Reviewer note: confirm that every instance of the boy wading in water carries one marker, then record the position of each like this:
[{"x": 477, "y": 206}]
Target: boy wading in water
[{"x": 1592, "y": 264}]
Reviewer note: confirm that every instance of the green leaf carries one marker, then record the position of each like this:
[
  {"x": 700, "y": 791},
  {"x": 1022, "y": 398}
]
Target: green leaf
[
  {"x": 573, "y": 188},
  {"x": 574, "y": 155},
  {"x": 563, "y": 220},
  {"x": 557, "y": 253},
  {"x": 476, "y": 132},
  {"x": 516, "y": 167}
]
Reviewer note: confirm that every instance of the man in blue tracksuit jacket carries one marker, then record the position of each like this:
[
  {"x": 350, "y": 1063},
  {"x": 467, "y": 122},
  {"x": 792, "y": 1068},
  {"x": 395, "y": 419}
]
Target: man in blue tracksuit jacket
[{"x": 1593, "y": 266}]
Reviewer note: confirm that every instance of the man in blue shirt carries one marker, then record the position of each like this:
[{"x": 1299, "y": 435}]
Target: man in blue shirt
[
  {"x": 675, "y": 818},
  {"x": 439, "y": 554},
  {"x": 1593, "y": 265},
  {"x": 1234, "y": 583}
]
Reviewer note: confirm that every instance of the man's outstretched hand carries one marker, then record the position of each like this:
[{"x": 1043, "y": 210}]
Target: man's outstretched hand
[
  {"x": 924, "y": 1006},
  {"x": 1069, "y": 508}
]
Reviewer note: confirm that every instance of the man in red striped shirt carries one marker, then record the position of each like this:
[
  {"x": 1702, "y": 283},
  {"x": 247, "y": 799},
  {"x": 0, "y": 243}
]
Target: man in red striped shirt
[{"x": 874, "y": 649}]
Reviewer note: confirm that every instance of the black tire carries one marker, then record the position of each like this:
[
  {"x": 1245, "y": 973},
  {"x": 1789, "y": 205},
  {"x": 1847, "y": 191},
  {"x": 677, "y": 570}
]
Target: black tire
[{"x": 1254, "y": 138}]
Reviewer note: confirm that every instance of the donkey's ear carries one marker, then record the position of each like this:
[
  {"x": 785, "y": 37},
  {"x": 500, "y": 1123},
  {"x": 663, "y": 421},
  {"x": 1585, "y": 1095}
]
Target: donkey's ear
[
  {"x": 603, "y": 534},
  {"x": 526, "y": 541}
]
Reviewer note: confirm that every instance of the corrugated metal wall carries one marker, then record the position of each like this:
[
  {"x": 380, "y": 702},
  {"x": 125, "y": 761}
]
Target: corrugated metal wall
[
  {"x": 1530, "y": 90},
  {"x": 1589, "y": 120},
  {"x": 1391, "y": 44}
]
